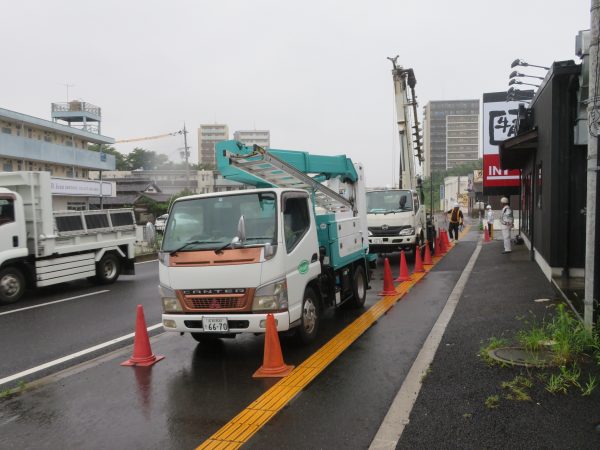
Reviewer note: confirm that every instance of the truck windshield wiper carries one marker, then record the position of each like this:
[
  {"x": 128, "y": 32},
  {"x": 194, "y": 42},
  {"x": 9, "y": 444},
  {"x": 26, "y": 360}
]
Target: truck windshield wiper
[{"x": 184, "y": 246}]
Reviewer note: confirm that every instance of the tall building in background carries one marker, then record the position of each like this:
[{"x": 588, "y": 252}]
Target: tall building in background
[
  {"x": 261, "y": 138},
  {"x": 208, "y": 136},
  {"x": 451, "y": 131}
]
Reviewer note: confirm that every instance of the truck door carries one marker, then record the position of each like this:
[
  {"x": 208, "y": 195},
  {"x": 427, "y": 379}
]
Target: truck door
[{"x": 302, "y": 254}]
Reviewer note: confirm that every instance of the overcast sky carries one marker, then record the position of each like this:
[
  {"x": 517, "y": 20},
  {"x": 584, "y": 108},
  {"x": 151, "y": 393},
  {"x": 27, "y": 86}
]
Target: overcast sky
[{"x": 314, "y": 73}]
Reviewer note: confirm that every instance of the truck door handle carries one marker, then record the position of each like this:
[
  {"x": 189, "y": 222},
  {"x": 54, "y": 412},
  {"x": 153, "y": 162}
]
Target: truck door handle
[
  {"x": 15, "y": 241},
  {"x": 314, "y": 258}
]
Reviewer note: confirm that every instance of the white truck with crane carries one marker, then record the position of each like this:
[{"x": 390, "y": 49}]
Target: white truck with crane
[
  {"x": 41, "y": 247},
  {"x": 291, "y": 247},
  {"x": 396, "y": 217}
]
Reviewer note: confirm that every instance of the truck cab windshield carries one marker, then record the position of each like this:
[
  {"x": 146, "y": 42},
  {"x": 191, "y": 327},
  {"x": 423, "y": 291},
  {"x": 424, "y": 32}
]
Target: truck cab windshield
[
  {"x": 209, "y": 223},
  {"x": 385, "y": 202}
]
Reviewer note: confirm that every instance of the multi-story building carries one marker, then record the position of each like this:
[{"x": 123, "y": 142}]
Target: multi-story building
[
  {"x": 208, "y": 136},
  {"x": 31, "y": 143},
  {"x": 261, "y": 138},
  {"x": 451, "y": 134}
]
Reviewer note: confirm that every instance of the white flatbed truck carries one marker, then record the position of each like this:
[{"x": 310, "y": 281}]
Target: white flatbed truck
[{"x": 41, "y": 247}]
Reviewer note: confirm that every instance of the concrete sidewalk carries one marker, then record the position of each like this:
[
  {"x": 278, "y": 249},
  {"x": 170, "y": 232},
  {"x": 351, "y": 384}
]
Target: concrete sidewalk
[{"x": 451, "y": 410}]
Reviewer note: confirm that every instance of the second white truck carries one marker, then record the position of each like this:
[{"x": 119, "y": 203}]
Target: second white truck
[{"x": 396, "y": 217}]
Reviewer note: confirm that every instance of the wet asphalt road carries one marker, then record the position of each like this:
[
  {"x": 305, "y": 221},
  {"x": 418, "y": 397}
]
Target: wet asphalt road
[
  {"x": 36, "y": 336},
  {"x": 184, "y": 399}
]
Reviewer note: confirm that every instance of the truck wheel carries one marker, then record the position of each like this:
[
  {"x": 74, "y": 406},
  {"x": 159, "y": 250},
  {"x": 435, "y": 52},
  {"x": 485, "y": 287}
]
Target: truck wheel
[
  {"x": 309, "y": 321},
  {"x": 108, "y": 269},
  {"x": 12, "y": 285},
  {"x": 359, "y": 287}
]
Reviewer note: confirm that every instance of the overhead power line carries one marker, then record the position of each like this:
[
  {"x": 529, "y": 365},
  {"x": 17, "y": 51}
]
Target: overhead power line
[{"x": 148, "y": 138}]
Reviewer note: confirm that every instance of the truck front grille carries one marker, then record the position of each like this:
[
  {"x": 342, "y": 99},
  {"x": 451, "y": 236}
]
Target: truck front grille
[
  {"x": 215, "y": 302},
  {"x": 389, "y": 231}
]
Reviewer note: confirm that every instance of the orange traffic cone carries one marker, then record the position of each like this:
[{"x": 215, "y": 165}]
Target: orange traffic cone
[
  {"x": 418, "y": 262},
  {"x": 273, "y": 365},
  {"x": 486, "y": 234},
  {"x": 404, "y": 276},
  {"x": 427, "y": 260},
  {"x": 446, "y": 240},
  {"x": 443, "y": 248},
  {"x": 142, "y": 353},
  {"x": 388, "y": 282}
]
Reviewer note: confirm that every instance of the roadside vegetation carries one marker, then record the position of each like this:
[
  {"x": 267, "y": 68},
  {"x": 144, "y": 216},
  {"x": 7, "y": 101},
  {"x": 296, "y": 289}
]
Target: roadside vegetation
[
  {"x": 563, "y": 358},
  {"x": 7, "y": 393}
]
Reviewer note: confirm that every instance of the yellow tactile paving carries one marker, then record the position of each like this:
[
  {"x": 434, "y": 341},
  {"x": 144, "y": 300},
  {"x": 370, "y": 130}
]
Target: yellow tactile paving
[{"x": 243, "y": 426}]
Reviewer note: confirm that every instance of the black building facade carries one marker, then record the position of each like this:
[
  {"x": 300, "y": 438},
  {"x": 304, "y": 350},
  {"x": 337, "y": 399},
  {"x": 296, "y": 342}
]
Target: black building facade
[{"x": 553, "y": 176}]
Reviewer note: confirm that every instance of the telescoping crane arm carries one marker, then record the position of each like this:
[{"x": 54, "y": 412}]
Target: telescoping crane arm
[
  {"x": 287, "y": 169},
  {"x": 408, "y": 125}
]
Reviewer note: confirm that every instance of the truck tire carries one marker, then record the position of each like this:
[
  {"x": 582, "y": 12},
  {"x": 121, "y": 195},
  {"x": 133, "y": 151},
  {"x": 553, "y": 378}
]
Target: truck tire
[
  {"x": 108, "y": 269},
  {"x": 310, "y": 318},
  {"x": 359, "y": 286},
  {"x": 12, "y": 285}
]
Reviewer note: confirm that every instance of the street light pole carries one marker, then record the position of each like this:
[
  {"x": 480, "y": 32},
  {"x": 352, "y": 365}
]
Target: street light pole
[{"x": 592, "y": 169}]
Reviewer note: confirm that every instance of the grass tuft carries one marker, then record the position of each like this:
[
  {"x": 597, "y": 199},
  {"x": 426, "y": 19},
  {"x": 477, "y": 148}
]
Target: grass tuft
[{"x": 493, "y": 401}]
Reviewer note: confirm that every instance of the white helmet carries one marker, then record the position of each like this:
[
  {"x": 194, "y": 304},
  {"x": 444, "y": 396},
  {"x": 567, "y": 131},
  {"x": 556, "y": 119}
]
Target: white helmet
[
  {"x": 456, "y": 205},
  {"x": 488, "y": 207},
  {"x": 504, "y": 200}
]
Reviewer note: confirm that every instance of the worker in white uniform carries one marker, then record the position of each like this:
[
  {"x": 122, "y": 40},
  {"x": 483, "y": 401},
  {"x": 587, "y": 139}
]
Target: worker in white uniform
[
  {"x": 507, "y": 221},
  {"x": 489, "y": 217}
]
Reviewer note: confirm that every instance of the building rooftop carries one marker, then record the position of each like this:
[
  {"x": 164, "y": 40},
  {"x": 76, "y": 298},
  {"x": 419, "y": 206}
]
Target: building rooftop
[{"x": 48, "y": 125}]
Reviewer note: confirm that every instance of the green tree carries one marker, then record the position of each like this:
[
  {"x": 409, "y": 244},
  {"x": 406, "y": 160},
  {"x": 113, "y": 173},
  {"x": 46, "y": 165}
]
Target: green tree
[
  {"x": 120, "y": 163},
  {"x": 140, "y": 158}
]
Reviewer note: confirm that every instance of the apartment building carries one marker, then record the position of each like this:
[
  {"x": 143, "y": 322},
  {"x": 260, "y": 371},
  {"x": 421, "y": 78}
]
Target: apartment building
[
  {"x": 32, "y": 143},
  {"x": 261, "y": 138},
  {"x": 451, "y": 134},
  {"x": 208, "y": 136}
]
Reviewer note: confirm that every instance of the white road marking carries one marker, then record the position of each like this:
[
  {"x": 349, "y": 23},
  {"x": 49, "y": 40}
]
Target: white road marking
[
  {"x": 24, "y": 373},
  {"x": 54, "y": 302},
  {"x": 145, "y": 262},
  {"x": 396, "y": 419}
]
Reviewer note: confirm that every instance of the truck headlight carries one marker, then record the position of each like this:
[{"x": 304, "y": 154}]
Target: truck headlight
[
  {"x": 370, "y": 233},
  {"x": 163, "y": 257},
  {"x": 169, "y": 299},
  {"x": 272, "y": 296},
  {"x": 407, "y": 232}
]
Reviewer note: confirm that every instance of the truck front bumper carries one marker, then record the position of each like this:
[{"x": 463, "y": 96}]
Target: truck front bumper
[
  {"x": 389, "y": 243},
  {"x": 237, "y": 323}
]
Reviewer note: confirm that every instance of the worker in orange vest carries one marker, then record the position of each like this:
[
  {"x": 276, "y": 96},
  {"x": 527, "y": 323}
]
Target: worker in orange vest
[{"x": 456, "y": 220}]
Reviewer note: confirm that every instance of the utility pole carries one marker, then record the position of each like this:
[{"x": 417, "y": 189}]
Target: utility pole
[
  {"x": 187, "y": 156},
  {"x": 592, "y": 168}
]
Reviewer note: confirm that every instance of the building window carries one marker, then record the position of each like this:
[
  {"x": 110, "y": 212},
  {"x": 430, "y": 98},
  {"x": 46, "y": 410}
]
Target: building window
[
  {"x": 6, "y": 130},
  {"x": 538, "y": 193},
  {"x": 76, "y": 206},
  {"x": 7, "y": 167}
]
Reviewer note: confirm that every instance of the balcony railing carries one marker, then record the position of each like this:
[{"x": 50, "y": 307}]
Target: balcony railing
[{"x": 76, "y": 106}]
